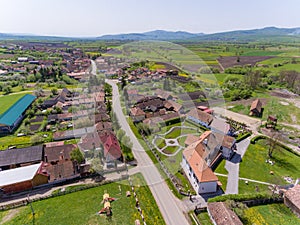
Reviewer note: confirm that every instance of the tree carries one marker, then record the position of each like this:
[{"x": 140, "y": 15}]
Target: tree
[
  {"x": 54, "y": 91},
  {"x": 120, "y": 134},
  {"x": 96, "y": 165},
  {"x": 76, "y": 155},
  {"x": 7, "y": 89},
  {"x": 123, "y": 82},
  {"x": 36, "y": 139},
  {"x": 108, "y": 106},
  {"x": 273, "y": 143}
]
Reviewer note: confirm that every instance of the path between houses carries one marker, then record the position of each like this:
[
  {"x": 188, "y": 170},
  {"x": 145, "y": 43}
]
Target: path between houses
[{"x": 246, "y": 179}]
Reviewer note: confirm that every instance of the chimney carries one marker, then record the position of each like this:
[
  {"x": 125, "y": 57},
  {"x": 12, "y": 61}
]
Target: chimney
[
  {"x": 61, "y": 156},
  {"x": 205, "y": 141}
]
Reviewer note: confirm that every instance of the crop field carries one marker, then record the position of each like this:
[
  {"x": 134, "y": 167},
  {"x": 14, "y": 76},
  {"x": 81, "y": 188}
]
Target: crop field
[{"x": 231, "y": 61}]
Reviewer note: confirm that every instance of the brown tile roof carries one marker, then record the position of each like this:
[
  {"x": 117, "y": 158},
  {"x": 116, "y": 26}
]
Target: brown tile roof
[
  {"x": 61, "y": 170},
  {"x": 293, "y": 195},
  {"x": 136, "y": 111},
  {"x": 53, "y": 154},
  {"x": 103, "y": 126},
  {"x": 203, "y": 116},
  {"x": 89, "y": 141},
  {"x": 191, "y": 139},
  {"x": 222, "y": 215},
  {"x": 175, "y": 105},
  {"x": 256, "y": 104}
]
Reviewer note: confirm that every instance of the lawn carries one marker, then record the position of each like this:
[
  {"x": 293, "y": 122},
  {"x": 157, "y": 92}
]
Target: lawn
[
  {"x": 284, "y": 113},
  {"x": 176, "y": 132},
  {"x": 8, "y": 100},
  {"x": 160, "y": 143},
  {"x": 170, "y": 149},
  {"x": 82, "y": 207},
  {"x": 204, "y": 219},
  {"x": 241, "y": 109},
  {"x": 271, "y": 214},
  {"x": 254, "y": 166}
]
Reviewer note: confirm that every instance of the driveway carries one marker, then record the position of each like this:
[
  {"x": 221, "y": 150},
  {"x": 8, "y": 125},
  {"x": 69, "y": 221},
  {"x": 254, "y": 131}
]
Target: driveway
[
  {"x": 170, "y": 207},
  {"x": 233, "y": 167}
]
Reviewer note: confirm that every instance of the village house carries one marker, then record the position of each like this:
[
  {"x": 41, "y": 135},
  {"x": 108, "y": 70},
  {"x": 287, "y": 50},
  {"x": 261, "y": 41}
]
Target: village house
[
  {"x": 137, "y": 114},
  {"x": 112, "y": 150},
  {"x": 200, "y": 175},
  {"x": 200, "y": 117},
  {"x": 201, "y": 154},
  {"x": 256, "y": 108},
  {"x": 58, "y": 163}
]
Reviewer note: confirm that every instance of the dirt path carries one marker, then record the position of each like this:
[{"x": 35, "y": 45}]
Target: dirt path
[{"x": 10, "y": 214}]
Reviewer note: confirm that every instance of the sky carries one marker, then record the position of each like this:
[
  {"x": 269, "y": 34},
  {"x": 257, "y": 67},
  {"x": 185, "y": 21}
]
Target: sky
[{"x": 87, "y": 18}]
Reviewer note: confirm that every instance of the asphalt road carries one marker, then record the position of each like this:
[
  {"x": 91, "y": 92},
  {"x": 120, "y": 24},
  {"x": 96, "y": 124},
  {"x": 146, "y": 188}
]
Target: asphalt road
[{"x": 170, "y": 207}]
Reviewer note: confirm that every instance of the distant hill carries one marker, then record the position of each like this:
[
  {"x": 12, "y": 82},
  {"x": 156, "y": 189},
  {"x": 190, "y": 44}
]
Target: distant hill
[
  {"x": 267, "y": 33},
  {"x": 152, "y": 35},
  {"x": 251, "y": 35}
]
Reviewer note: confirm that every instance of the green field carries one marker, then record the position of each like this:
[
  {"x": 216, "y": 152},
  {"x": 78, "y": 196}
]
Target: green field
[
  {"x": 272, "y": 214},
  {"x": 82, "y": 207},
  {"x": 254, "y": 166},
  {"x": 10, "y": 140},
  {"x": 204, "y": 219},
  {"x": 8, "y": 100}
]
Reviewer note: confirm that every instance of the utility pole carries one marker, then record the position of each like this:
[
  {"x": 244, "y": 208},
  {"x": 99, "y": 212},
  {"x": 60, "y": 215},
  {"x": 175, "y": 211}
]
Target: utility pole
[{"x": 31, "y": 207}]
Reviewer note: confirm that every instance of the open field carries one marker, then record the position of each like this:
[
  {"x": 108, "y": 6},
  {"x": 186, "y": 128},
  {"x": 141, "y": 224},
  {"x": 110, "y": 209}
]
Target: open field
[
  {"x": 8, "y": 100},
  {"x": 272, "y": 214},
  {"x": 82, "y": 207}
]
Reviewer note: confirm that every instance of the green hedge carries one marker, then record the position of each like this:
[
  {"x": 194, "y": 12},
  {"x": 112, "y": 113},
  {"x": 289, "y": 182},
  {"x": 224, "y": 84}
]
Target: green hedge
[
  {"x": 170, "y": 122},
  {"x": 256, "y": 138},
  {"x": 240, "y": 197},
  {"x": 242, "y": 137}
]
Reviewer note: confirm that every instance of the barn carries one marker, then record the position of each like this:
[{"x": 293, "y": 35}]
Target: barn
[
  {"x": 22, "y": 178},
  {"x": 15, "y": 114}
]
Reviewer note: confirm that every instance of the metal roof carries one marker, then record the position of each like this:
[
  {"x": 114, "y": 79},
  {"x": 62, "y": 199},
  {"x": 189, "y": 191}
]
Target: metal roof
[
  {"x": 18, "y": 175},
  {"x": 21, "y": 155},
  {"x": 15, "y": 111}
]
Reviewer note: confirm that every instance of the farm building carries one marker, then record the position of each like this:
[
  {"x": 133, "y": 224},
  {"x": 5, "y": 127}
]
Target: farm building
[
  {"x": 22, "y": 178},
  {"x": 19, "y": 157},
  {"x": 256, "y": 108},
  {"x": 292, "y": 199},
  {"x": 14, "y": 115}
]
